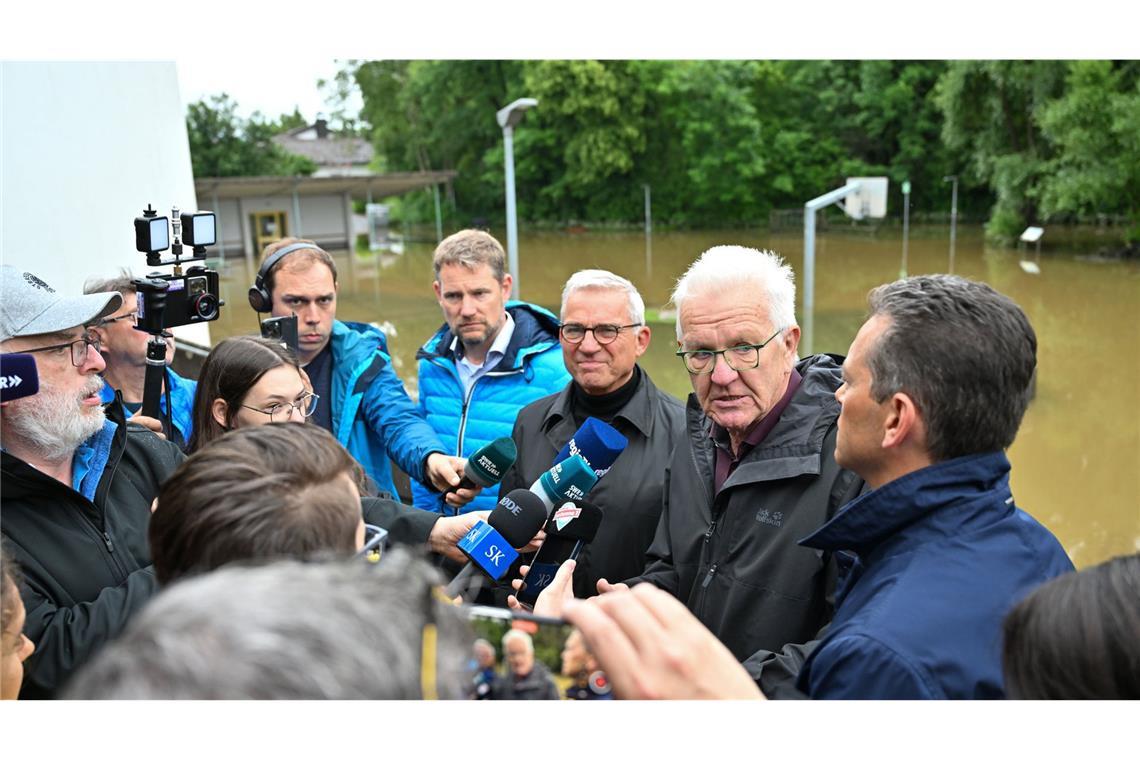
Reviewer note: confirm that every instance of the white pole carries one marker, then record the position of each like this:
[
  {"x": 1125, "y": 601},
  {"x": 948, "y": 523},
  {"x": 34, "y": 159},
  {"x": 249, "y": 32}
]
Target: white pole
[
  {"x": 648, "y": 236},
  {"x": 512, "y": 222},
  {"x": 807, "y": 318}
]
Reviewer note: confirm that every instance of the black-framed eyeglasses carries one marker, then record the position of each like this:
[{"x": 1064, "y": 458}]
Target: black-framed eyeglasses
[
  {"x": 375, "y": 538},
  {"x": 572, "y": 332},
  {"x": 133, "y": 316},
  {"x": 78, "y": 348},
  {"x": 703, "y": 361},
  {"x": 281, "y": 412}
]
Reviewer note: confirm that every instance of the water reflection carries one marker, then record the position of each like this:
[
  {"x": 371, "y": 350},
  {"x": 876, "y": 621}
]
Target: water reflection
[{"x": 1077, "y": 457}]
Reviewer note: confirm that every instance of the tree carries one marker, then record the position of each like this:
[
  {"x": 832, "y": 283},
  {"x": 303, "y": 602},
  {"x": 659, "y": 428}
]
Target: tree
[{"x": 222, "y": 144}]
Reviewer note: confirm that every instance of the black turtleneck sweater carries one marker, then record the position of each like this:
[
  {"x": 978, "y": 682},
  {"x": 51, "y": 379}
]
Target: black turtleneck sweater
[{"x": 606, "y": 406}]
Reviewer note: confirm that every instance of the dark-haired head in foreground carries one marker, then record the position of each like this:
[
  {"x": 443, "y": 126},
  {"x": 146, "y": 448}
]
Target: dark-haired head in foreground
[
  {"x": 289, "y": 630},
  {"x": 1078, "y": 636},
  {"x": 257, "y": 493}
]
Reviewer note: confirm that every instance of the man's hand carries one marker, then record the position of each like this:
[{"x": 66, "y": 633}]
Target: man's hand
[
  {"x": 553, "y": 598},
  {"x": 448, "y": 531},
  {"x": 605, "y": 587},
  {"x": 651, "y": 647},
  {"x": 150, "y": 423},
  {"x": 445, "y": 472}
]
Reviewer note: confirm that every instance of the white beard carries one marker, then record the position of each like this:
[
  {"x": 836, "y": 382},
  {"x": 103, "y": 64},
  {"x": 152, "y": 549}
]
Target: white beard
[{"x": 52, "y": 423}]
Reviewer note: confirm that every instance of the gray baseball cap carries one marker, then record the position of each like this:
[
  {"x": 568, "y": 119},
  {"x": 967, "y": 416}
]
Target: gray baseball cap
[{"x": 29, "y": 306}]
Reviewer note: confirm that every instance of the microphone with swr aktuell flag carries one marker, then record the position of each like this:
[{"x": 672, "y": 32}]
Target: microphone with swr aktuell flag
[
  {"x": 571, "y": 527},
  {"x": 491, "y": 546},
  {"x": 18, "y": 376},
  {"x": 487, "y": 465},
  {"x": 597, "y": 442},
  {"x": 570, "y": 479}
]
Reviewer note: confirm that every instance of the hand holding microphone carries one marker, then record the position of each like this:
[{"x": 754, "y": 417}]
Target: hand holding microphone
[
  {"x": 491, "y": 546},
  {"x": 484, "y": 468}
]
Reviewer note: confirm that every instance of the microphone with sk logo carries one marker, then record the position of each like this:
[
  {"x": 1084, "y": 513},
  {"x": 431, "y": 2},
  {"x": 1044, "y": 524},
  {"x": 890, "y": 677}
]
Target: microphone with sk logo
[{"x": 491, "y": 546}]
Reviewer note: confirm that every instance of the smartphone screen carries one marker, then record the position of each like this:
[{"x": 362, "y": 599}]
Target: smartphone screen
[{"x": 518, "y": 655}]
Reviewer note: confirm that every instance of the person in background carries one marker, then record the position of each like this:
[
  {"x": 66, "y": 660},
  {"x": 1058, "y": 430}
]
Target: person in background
[
  {"x": 527, "y": 678},
  {"x": 366, "y": 407},
  {"x": 580, "y": 665},
  {"x": 1077, "y": 636},
  {"x": 492, "y": 356},
  {"x": 486, "y": 679},
  {"x": 124, "y": 352}
]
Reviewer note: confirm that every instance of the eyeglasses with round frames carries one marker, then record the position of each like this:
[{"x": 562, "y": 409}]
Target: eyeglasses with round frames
[
  {"x": 78, "y": 348},
  {"x": 747, "y": 356},
  {"x": 306, "y": 405},
  {"x": 572, "y": 332}
]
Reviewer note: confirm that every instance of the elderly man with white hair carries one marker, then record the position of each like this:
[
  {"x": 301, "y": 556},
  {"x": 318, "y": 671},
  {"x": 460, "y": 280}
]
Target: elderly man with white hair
[
  {"x": 603, "y": 334},
  {"x": 756, "y": 471}
]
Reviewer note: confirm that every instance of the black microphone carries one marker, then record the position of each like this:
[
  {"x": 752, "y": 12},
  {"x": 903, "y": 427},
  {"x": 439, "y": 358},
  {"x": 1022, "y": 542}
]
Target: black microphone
[
  {"x": 18, "y": 376},
  {"x": 571, "y": 527},
  {"x": 491, "y": 546}
]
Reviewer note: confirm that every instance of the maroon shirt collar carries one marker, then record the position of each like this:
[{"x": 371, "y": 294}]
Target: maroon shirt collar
[{"x": 725, "y": 461}]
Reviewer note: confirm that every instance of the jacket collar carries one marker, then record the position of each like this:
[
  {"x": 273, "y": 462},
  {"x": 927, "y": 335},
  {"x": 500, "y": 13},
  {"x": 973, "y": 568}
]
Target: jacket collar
[
  {"x": 877, "y": 515},
  {"x": 639, "y": 411}
]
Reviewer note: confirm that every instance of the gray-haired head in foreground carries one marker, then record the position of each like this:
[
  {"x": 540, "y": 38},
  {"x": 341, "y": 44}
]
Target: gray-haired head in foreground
[
  {"x": 601, "y": 279},
  {"x": 288, "y": 630},
  {"x": 963, "y": 352},
  {"x": 732, "y": 268}
]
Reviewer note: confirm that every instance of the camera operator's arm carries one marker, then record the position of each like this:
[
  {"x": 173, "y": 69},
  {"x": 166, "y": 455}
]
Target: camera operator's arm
[{"x": 408, "y": 439}]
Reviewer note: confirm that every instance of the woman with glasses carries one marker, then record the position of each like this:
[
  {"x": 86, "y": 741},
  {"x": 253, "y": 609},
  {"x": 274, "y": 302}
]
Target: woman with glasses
[{"x": 247, "y": 381}]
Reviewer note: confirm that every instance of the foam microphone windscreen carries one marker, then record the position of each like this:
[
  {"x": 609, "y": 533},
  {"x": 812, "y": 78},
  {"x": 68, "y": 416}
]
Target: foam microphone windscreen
[
  {"x": 18, "y": 376},
  {"x": 518, "y": 516},
  {"x": 487, "y": 465},
  {"x": 569, "y": 479},
  {"x": 597, "y": 442}
]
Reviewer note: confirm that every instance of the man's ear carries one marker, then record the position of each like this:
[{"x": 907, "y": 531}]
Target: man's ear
[
  {"x": 435, "y": 286},
  {"x": 902, "y": 421},
  {"x": 218, "y": 409},
  {"x": 643, "y": 337}
]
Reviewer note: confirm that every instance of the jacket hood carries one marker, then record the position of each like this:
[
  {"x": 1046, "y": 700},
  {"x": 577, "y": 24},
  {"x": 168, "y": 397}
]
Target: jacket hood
[{"x": 536, "y": 329}]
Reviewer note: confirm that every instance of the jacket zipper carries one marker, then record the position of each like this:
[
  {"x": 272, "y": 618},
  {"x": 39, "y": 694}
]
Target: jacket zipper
[{"x": 708, "y": 579}]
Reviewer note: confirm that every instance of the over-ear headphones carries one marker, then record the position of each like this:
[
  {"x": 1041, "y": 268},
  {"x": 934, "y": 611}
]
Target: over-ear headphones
[{"x": 259, "y": 297}]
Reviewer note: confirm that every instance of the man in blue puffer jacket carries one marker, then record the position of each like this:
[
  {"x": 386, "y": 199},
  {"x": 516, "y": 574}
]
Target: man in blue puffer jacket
[
  {"x": 364, "y": 403},
  {"x": 491, "y": 358}
]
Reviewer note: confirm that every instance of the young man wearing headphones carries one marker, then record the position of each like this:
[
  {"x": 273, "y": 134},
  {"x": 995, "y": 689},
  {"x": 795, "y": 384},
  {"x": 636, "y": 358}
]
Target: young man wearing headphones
[{"x": 368, "y": 410}]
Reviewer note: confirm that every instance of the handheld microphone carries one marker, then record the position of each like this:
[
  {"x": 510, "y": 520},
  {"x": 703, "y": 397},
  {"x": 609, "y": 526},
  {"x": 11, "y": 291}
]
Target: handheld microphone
[
  {"x": 490, "y": 546},
  {"x": 18, "y": 376},
  {"x": 571, "y": 527},
  {"x": 597, "y": 442},
  {"x": 486, "y": 466},
  {"x": 570, "y": 479}
]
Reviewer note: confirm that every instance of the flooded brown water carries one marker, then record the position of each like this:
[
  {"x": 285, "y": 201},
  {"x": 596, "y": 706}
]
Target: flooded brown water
[{"x": 1076, "y": 461}]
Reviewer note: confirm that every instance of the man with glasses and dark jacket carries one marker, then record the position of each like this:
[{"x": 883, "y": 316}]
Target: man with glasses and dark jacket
[
  {"x": 602, "y": 335},
  {"x": 755, "y": 470},
  {"x": 77, "y": 483}
]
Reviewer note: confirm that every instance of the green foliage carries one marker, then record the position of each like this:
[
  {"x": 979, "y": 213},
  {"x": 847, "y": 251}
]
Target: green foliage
[
  {"x": 725, "y": 142},
  {"x": 222, "y": 144}
]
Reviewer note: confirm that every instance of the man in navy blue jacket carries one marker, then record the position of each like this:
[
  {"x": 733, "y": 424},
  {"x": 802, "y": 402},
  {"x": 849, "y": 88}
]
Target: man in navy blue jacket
[{"x": 932, "y": 557}]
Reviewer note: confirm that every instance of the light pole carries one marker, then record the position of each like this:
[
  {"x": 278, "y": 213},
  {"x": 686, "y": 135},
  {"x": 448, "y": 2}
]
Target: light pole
[
  {"x": 508, "y": 117},
  {"x": 953, "y": 215}
]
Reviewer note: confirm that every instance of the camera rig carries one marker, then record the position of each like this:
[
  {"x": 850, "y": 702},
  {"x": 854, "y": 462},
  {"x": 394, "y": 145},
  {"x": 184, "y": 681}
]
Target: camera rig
[{"x": 175, "y": 299}]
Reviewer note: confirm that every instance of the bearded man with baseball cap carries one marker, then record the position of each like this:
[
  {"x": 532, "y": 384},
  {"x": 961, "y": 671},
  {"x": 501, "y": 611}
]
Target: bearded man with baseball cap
[{"x": 76, "y": 482}]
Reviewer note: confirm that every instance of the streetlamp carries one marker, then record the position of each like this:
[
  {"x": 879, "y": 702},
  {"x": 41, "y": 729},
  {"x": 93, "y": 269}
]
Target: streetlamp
[
  {"x": 508, "y": 117},
  {"x": 953, "y": 215}
]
